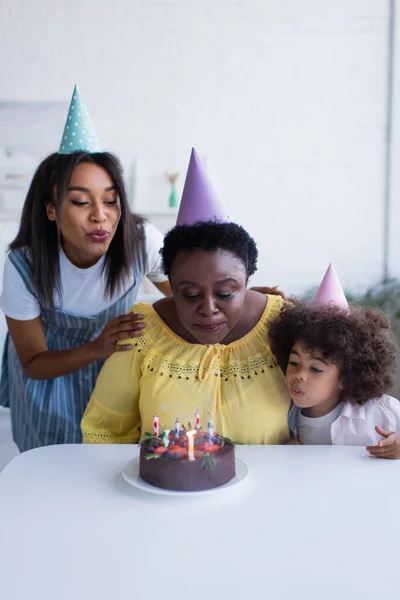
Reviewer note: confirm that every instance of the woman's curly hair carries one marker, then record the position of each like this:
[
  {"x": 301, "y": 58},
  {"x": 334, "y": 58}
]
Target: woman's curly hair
[
  {"x": 359, "y": 341},
  {"x": 209, "y": 236}
]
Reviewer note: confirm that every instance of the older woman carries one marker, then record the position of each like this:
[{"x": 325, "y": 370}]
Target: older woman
[{"x": 205, "y": 347}]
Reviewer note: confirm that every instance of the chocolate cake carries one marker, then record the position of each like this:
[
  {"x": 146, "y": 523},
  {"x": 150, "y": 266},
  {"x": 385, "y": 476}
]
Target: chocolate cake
[{"x": 165, "y": 463}]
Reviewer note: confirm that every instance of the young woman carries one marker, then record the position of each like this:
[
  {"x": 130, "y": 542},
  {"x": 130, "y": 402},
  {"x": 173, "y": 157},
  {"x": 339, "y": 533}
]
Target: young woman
[{"x": 71, "y": 275}]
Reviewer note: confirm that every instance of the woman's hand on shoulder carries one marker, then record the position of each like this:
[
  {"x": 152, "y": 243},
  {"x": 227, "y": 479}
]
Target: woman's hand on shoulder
[
  {"x": 272, "y": 291},
  {"x": 38, "y": 362},
  {"x": 124, "y": 327},
  {"x": 389, "y": 447}
]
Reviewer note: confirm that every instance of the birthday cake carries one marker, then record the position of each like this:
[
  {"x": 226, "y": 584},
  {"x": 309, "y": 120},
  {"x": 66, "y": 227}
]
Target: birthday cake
[{"x": 186, "y": 460}]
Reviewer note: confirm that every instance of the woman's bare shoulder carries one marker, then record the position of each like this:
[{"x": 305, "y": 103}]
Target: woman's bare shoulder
[
  {"x": 165, "y": 307},
  {"x": 255, "y": 304}
]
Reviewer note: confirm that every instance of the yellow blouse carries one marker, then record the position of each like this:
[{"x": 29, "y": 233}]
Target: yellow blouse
[{"x": 238, "y": 384}]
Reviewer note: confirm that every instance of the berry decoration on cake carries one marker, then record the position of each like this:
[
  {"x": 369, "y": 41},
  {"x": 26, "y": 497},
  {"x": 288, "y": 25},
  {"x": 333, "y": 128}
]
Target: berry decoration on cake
[{"x": 186, "y": 459}]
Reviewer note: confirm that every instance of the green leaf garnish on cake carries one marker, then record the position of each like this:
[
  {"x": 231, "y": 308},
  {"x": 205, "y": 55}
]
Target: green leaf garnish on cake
[
  {"x": 209, "y": 462},
  {"x": 148, "y": 437}
]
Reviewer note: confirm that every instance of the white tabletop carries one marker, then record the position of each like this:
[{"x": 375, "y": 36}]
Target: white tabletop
[{"x": 308, "y": 523}]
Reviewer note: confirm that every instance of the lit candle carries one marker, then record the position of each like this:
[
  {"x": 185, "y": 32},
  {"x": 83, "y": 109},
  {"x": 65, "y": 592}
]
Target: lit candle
[
  {"x": 165, "y": 437},
  {"x": 197, "y": 420},
  {"x": 210, "y": 429},
  {"x": 190, "y": 435},
  {"x": 155, "y": 424},
  {"x": 177, "y": 427}
]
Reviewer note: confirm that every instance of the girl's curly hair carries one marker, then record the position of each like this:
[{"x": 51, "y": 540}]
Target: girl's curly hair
[{"x": 359, "y": 341}]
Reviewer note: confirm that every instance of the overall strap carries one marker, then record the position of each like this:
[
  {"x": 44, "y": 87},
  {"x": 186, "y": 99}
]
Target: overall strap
[{"x": 21, "y": 262}]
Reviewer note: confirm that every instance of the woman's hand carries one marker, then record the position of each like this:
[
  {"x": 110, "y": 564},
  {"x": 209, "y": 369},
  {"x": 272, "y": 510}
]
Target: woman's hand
[
  {"x": 38, "y": 362},
  {"x": 122, "y": 328},
  {"x": 274, "y": 291},
  {"x": 389, "y": 447}
]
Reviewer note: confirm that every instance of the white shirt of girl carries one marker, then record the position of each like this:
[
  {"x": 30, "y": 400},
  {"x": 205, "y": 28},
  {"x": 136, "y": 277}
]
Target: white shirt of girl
[
  {"x": 352, "y": 425},
  {"x": 83, "y": 289}
]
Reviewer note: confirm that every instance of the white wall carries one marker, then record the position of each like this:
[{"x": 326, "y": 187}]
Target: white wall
[
  {"x": 394, "y": 254},
  {"x": 285, "y": 99}
]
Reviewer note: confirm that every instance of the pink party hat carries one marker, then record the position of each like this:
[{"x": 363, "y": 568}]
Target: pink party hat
[
  {"x": 199, "y": 200},
  {"x": 330, "y": 291}
]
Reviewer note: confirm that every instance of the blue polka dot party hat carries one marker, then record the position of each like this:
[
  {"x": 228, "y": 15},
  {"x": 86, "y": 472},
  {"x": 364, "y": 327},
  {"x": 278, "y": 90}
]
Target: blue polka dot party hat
[{"x": 79, "y": 133}]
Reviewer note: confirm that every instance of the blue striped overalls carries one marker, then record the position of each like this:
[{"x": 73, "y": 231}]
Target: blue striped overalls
[{"x": 49, "y": 411}]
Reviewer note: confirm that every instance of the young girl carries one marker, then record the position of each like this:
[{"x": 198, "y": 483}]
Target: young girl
[
  {"x": 339, "y": 365},
  {"x": 71, "y": 275}
]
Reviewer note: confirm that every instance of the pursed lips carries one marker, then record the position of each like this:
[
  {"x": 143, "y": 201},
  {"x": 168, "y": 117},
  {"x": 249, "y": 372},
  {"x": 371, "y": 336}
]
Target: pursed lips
[
  {"x": 296, "y": 391},
  {"x": 98, "y": 234}
]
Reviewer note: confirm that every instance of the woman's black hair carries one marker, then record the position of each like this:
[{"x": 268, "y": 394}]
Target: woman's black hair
[
  {"x": 40, "y": 237},
  {"x": 207, "y": 237}
]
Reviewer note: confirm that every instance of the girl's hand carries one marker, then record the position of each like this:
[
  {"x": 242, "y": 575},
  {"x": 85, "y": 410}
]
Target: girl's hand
[
  {"x": 122, "y": 328},
  {"x": 389, "y": 447}
]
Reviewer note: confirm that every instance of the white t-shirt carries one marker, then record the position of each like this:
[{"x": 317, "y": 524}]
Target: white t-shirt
[
  {"x": 317, "y": 430},
  {"x": 85, "y": 287}
]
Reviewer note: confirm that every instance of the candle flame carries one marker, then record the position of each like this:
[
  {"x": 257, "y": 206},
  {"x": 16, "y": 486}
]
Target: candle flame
[{"x": 191, "y": 432}]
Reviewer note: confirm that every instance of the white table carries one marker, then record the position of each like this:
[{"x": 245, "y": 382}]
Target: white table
[{"x": 308, "y": 523}]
